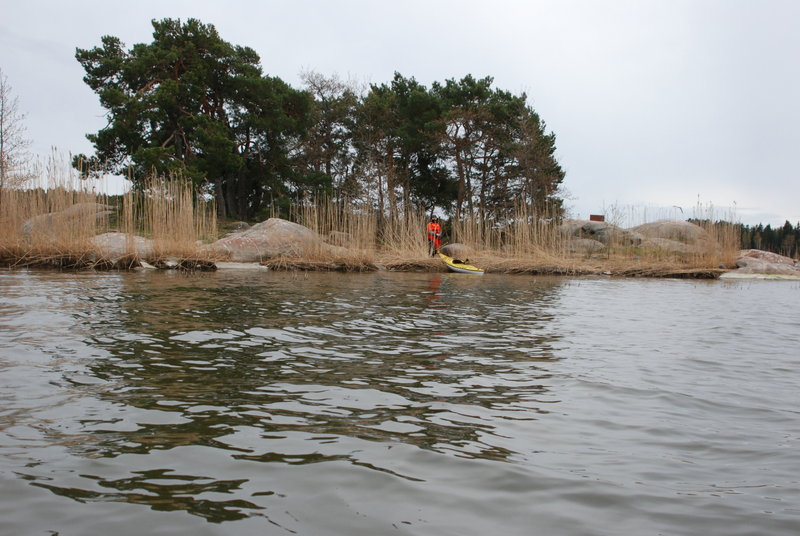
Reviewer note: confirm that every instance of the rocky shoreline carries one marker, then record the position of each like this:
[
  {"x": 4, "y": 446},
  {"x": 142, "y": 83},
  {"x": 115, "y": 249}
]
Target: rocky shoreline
[{"x": 277, "y": 244}]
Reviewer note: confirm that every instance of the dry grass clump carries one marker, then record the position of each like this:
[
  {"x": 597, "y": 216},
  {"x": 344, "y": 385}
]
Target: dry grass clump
[
  {"x": 55, "y": 223},
  {"x": 173, "y": 216},
  {"x": 545, "y": 263},
  {"x": 524, "y": 243},
  {"x": 404, "y": 237},
  {"x": 396, "y": 263},
  {"x": 394, "y": 243},
  {"x": 50, "y": 228},
  {"x": 289, "y": 264},
  {"x": 719, "y": 245},
  {"x": 347, "y": 232},
  {"x": 522, "y": 234},
  {"x": 350, "y": 224}
]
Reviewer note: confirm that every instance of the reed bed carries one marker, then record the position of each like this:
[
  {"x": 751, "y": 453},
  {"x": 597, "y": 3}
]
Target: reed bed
[
  {"x": 524, "y": 243},
  {"x": 173, "y": 216},
  {"x": 33, "y": 233},
  {"x": 57, "y": 225},
  {"x": 348, "y": 227},
  {"x": 291, "y": 264}
]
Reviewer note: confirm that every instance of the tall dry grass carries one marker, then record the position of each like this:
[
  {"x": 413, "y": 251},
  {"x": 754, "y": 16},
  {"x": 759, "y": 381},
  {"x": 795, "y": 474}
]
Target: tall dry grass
[
  {"x": 172, "y": 215},
  {"x": 349, "y": 225},
  {"x": 529, "y": 242},
  {"x": 355, "y": 225},
  {"x": 718, "y": 247},
  {"x": 55, "y": 224},
  {"x": 371, "y": 237},
  {"x": 54, "y": 221},
  {"x": 32, "y": 232},
  {"x": 523, "y": 233}
]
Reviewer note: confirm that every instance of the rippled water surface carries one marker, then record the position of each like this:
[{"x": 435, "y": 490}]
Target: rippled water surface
[{"x": 428, "y": 404}]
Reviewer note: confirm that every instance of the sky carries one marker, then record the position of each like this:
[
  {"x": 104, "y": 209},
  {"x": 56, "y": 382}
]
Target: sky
[{"x": 661, "y": 108}]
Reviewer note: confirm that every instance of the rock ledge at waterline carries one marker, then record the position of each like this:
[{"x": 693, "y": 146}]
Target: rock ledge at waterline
[
  {"x": 757, "y": 264},
  {"x": 276, "y": 239},
  {"x": 270, "y": 239},
  {"x": 667, "y": 235}
]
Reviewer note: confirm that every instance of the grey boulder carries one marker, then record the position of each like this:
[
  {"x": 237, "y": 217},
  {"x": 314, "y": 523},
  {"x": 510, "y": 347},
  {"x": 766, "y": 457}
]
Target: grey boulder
[{"x": 271, "y": 239}]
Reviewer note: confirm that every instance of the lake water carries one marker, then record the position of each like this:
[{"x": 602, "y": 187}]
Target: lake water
[{"x": 252, "y": 403}]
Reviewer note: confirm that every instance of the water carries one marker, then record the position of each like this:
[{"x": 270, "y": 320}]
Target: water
[{"x": 426, "y": 404}]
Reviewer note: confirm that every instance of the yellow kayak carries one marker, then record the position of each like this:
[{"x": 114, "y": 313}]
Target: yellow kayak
[{"x": 459, "y": 266}]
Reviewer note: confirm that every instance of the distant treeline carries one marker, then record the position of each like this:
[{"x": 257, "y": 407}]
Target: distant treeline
[
  {"x": 190, "y": 104},
  {"x": 783, "y": 240}
]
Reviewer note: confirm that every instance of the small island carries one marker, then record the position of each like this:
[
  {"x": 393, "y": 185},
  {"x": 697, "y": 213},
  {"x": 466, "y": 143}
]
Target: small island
[
  {"x": 171, "y": 229},
  {"x": 230, "y": 165}
]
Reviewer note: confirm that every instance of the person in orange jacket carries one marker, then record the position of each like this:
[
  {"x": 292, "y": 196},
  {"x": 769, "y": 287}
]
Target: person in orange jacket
[{"x": 434, "y": 235}]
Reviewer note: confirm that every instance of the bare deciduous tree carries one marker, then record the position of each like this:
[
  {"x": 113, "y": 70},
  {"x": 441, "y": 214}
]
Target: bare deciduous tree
[{"x": 13, "y": 143}]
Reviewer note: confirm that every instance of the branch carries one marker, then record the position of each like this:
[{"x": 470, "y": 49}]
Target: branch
[
  {"x": 171, "y": 137},
  {"x": 147, "y": 87}
]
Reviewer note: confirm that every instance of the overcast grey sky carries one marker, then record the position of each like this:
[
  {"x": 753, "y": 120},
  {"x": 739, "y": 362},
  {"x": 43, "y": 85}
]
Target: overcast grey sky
[{"x": 654, "y": 103}]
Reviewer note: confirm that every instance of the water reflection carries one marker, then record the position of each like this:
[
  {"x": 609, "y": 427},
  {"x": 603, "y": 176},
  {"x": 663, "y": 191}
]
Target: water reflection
[
  {"x": 243, "y": 364},
  {"x": 355, "y": 356},
  {"x": 164, "y": 491},
  {"x": 368, "y": 404}
]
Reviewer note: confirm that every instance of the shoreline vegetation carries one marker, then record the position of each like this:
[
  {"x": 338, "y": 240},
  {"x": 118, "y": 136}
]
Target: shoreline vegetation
[
  {"x": 334, "y": 176},
  {"x": 59, "y": 227}
]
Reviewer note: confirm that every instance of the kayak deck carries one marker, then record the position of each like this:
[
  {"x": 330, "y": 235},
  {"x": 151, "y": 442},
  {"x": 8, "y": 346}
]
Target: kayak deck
[{"x": 459, "y": 266}]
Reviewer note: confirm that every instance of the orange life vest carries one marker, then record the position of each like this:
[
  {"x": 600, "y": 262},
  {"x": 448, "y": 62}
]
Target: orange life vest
[
  {"x": 434, "y": 230},
  {"x": 435, "y": 234}
]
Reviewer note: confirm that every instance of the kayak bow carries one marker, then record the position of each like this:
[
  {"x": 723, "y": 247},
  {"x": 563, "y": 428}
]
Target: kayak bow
[{"x": 459, "y": 266}]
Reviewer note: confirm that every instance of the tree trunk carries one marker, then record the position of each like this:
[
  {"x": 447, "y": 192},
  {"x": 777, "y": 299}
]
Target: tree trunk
[
  {"x": 381, "y": 208},
  {"x": 243, "y": 191},
  {"x": 468, "y": 186},
  {"x": 391, "y": 181},
  {"x": 222, "y": 212},
  {"x": 407, "y": 191},
  {"x": 230, "y": 197},
  {"x": 461, "y": 183}
]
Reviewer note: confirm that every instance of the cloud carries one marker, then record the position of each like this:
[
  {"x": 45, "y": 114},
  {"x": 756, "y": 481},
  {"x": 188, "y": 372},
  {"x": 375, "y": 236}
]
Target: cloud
[{"x": 652, "y": 102}]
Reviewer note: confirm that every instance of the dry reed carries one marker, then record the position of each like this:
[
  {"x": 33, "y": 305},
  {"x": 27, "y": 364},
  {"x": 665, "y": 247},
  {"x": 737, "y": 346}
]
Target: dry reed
[
  {"x": 56, "y": 225},
  {"x": 50, "y": 227},
  {"x": 55, "y": 222},
  {"x": 172, "y": 215},
  {"x": 525, "y": 242}
]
